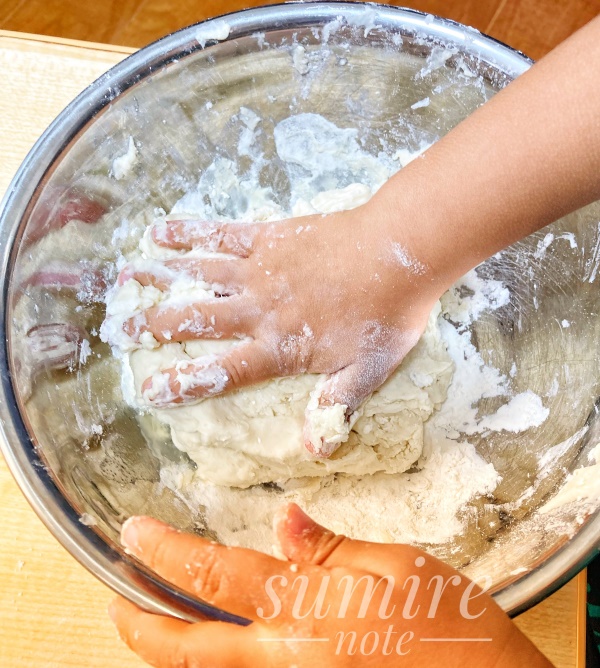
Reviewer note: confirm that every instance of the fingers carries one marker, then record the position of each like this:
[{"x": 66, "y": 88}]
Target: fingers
[
  {"x": 61, "y": 208},
  {"x": 234, "y": 238},
  {"x": 301, "y": 539},
  {"x": 355, "y": 383},
  {"x": 232, "y": 579},
  {"x": 332, "y": 409},
  {"x": 151, "y": 272},
  {"x": 224, "y": 275},
  {"x": 226, "y": 317},
  {"x": 209, "y": 375},
  {"x": 54, "y": 346},
  {"x": 76, "y": 277},
  {"x": 165, "y": 642}
]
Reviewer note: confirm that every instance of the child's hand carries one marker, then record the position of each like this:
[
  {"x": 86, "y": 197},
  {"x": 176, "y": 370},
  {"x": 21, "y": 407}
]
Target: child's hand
[
  {"x": 348, "y": 294},
  {"x": 344, "y": 295},
  {"x": 420, "y": 612}
]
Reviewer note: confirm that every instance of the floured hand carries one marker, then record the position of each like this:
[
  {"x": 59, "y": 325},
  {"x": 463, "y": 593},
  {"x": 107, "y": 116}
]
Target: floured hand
[
  {"x": 348, "y": 294},
  {"x": 337, "y": 602},
  {"x": 334, "y": 294}
]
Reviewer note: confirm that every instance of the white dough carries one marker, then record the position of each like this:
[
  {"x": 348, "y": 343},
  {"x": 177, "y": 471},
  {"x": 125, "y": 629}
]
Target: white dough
[
  {"x": 256, "y": 435},
  {"x": 122, "y": 166}
]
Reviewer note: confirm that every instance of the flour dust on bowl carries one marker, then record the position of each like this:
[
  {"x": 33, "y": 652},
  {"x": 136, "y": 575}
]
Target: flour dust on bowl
[{"x": 482, "y": 448}]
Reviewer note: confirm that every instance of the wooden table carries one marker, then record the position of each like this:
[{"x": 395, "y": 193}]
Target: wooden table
[{"x": 52, "y": 611}]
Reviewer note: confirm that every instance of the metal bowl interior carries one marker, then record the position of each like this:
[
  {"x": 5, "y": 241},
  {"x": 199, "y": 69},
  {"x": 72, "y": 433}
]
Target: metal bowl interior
[{"x": 180, "y": 100}]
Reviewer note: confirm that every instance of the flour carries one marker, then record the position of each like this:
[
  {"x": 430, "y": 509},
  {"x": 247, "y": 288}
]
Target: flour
[
  {"x": 583, "y": 485},
  {"x": 471, "y": 297},
  {"x": 413, "y": 265},
  {"x": 436, "y": 59},
  {"x": 403, "y": 459},
  {"x": 216, "y": 30},
  {"x": 421, "y": 103},
  {"x": 543, "y": 245},
  {"x": 418, "y": 507},
  {"x": 249, "y": 132},
  {"x": 522, "y": 412},
  {"x": 299, "y": 59},
  {"x": 122, "y": 165},
  {"x": 319, "y": 157}
]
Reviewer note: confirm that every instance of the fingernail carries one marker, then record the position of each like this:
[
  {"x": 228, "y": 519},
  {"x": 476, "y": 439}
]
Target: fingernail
[
  {"x": 157, "y": 391},
  {"x": 130, "y": 536},
  {"x": 112, "y": 610},
  {"x": 323, "y": 449},
  {"x": 136, "y": 326},
  {"x": 293, "y": 520},
  {"x": 159, "y": 230},
  {"x": 124, "y": 275}
]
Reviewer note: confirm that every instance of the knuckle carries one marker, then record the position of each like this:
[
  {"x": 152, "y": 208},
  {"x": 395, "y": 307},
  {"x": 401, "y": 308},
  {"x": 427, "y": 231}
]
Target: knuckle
[
  {"x": 193, "y": 322},
  {"x": 324, "y": 548},
  {"x": 159, "y": 553},
  {"x": 236, "y": 369},
  {"x": 239, "y": 240},
  {"x": 137, "y": 325},
  {"x": 207, "y": 575},
  {"x": 295, "y": 353}
]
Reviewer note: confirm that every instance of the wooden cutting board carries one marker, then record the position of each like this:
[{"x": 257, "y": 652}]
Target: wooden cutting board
[{"x": 52, "y": 611}]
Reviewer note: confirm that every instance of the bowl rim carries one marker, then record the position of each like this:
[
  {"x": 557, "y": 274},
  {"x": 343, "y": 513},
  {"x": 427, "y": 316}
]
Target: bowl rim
[{"x": 123, "y": 574}]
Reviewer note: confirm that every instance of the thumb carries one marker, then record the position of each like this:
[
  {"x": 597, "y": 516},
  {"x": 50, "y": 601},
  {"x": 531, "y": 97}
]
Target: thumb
[
  {"x": 334, "y": 403},
  {"x": 300, "y": 538}
]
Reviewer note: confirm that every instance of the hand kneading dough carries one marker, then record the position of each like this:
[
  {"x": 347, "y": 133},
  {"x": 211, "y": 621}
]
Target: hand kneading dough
[{"x": 254, "y": 435}]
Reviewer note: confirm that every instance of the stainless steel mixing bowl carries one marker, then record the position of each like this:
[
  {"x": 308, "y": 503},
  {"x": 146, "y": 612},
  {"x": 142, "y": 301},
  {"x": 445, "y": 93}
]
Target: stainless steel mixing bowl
[{"x": 73, "y": 445}]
